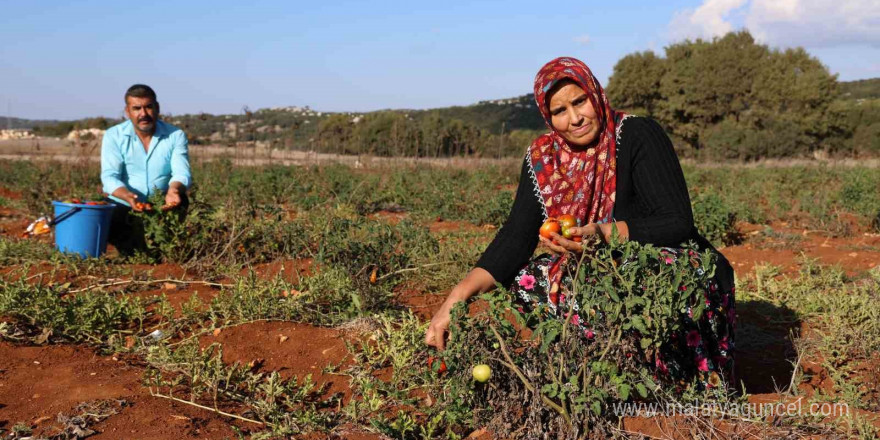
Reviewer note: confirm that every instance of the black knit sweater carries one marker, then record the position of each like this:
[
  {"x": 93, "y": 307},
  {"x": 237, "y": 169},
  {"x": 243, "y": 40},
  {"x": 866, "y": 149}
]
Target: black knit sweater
[{"x": 652, "y": 198}]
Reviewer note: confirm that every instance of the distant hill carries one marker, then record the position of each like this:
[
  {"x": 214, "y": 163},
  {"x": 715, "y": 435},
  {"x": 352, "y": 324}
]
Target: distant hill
[
  {"x": 8, "y": 122},
  {"x": 301, "y": 123},
  {"x": 510, "y": 114},
  {"x": 861, "y": 89}
]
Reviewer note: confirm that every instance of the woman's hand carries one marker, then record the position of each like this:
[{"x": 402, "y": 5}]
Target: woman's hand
[
  {"x": 478, "y": 280},
  {"x": 438, "y": 329},
  {"x": 560, "y": 245}
]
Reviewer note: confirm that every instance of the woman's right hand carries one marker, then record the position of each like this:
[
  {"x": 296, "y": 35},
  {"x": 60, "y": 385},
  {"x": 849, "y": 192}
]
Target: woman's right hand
[
  {"x": 477, "y": 280},
  {"x": 438, "y": 329}
]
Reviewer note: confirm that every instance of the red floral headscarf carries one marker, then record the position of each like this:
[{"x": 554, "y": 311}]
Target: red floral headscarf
[
  {"x": 580, "y": 182},
  {"x": 576, "y": 181}
]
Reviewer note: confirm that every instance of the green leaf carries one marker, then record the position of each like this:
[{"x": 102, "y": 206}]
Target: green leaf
[
  {"x": 548, "y": 338},
  {"x": 639, "y": 324},
  {"x": 642, "y": 390},
  {"x": 613, "y": 294},
  {"x": 623, "y": 389},
  {"x": 698, "y": 309},
  {"x": 645, "y": 343},
  {"x": 596, "y": 408},
  {"x": 551, "y": 390}
]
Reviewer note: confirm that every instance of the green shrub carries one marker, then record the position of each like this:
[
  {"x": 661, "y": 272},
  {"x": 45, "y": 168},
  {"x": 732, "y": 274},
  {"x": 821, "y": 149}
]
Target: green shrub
[
  {"x": 714, "y": 219},
  {"x": 558, "y": 381},
  {"x": 861, "y": 193}
]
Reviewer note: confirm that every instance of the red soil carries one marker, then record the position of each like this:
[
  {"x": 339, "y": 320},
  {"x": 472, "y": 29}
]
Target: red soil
[
  {"x": 388, "y": 216},
  {"x": 38, "y": 383},
  {"x": 289, "y": 270},
  {"x": 288, "y": 348},
  {"x": 9, "y": 194},
  {"x": 854, "y": 254},
  {"x": 441, "y": 225}
]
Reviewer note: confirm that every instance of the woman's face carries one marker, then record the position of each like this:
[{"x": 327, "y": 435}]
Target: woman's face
[{"x": 572, "y": 114}]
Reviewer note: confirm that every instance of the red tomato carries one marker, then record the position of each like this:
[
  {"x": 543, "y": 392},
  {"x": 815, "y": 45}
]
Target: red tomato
[
  {"x": 441, "y": 368},
  {"x": 549, "y": 227},
  {"x": 567, "y": 221}
]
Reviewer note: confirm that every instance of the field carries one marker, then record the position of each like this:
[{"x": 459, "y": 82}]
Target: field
[{"x": 292, "y": 302}]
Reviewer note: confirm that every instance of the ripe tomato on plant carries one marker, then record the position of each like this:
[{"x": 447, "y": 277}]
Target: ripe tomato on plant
[{"x": 441, "y": 367}]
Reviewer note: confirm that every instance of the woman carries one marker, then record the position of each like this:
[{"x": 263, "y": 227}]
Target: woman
[{"x": 607, "y": 169}]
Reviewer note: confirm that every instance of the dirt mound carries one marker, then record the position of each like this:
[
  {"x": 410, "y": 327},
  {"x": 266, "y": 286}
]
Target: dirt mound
[
  {"x": 287, "y": 347},
  {"x": 39, "y": 382},
  {"x": 289, "y": 270}
]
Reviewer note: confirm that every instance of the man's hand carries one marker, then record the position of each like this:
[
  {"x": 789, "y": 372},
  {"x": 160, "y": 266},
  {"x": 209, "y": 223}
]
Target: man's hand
[
  {"x": 129, "y": 197},
  {"x": 172, "y": 199}
]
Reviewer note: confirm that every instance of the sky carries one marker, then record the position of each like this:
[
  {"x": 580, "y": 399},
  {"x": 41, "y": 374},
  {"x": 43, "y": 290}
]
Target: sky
[{"x": 68, "y": 60}]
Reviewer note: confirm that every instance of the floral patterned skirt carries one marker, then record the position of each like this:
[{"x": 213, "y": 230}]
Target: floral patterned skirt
[{"x": 702, "y": 351}]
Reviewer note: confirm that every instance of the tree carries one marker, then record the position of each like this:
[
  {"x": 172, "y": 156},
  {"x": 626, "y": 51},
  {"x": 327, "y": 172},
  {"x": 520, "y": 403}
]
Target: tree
[
  {"x": 635, "y": 84},
  {"x": 706, "y": 82},
  {"x": 335, "y": 133}
]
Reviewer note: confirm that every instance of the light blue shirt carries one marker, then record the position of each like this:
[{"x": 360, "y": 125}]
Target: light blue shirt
[{"x": 124, "y": 162}]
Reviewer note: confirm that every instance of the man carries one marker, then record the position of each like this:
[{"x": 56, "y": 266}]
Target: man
[{"x": 139, "y": 157}]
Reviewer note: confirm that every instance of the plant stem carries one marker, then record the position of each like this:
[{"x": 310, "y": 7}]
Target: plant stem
[
  {"x": 215, "y": 410},
  {"x": 166, "y": 280},
  {"x": 512, "y": 366}
]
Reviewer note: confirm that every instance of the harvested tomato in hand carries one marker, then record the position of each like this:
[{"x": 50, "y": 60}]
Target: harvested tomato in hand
[
  {"x": 441, "y": 367},
  {"x": 143, "y": 206},
  {"x": 549, "y": 227},
  {"x": 565, "y": 222}
]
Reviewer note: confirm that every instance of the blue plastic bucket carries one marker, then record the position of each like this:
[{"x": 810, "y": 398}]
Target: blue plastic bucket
[{"x": 84, "y": 231}]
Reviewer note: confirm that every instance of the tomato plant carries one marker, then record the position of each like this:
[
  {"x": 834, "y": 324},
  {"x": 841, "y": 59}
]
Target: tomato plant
[{"x": 441, "y": 364}]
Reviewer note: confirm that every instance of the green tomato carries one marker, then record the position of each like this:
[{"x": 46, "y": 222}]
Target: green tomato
[{"x": 482, "y": 373}]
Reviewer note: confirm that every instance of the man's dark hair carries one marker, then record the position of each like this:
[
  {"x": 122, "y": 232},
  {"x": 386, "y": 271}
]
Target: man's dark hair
[{"x": 140, "y": 91}]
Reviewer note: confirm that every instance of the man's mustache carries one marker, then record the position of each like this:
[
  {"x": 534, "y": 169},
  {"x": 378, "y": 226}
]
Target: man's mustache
[{"x": 145, "y": 119}]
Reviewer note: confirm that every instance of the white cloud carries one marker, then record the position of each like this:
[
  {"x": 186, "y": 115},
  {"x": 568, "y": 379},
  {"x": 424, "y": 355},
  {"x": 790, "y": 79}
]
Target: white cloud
[
  {"x": 815, "y": 23},
  {"x": 785, "y": 23},
  {"x": 708, "y": 20},
  {"x": 582, "y": 39}
]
